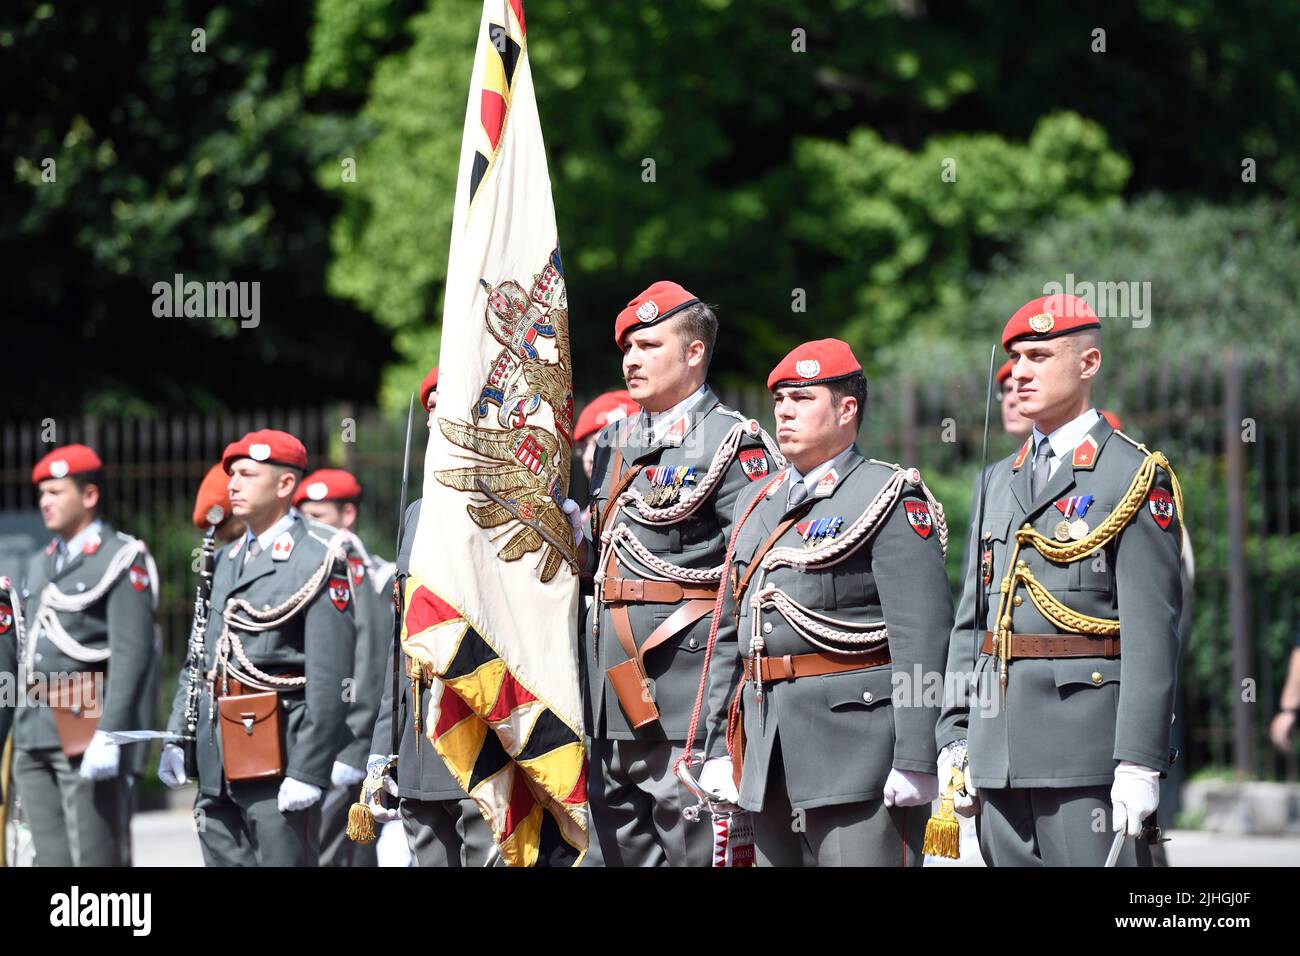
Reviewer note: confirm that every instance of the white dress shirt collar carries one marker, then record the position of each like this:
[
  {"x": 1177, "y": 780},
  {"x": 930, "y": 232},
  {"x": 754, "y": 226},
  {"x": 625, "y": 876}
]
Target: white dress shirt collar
[
  {"x": 267, "y": 537},
  {"x": 1065, "y": 438},
  {"x": 78, "y": 541},
  {"x": 817, "y": 473},
  {"x": 656, "y": 425}
]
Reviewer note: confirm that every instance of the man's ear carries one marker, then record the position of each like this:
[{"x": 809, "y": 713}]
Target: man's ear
[
  {"x": 90, "y": 497},
  {"x": 1089, "y": 363},
  {"x": 286, "y": 484},
  {"x": 848, "y": 409},
  {"x": 695, "y": 353}
]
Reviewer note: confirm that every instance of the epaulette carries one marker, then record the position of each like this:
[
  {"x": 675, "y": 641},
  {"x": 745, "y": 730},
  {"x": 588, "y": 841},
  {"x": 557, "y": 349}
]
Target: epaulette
[{"x": 912, "y": 475}]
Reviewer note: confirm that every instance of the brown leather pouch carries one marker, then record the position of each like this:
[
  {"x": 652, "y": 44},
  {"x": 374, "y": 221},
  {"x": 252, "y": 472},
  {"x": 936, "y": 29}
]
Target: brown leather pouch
[
  {"x": 75, "y": 705},
  {"x": 252, "y": 736},
  {"x": 633, "y": 690}
]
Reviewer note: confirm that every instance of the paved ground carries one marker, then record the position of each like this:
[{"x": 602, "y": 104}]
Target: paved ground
[{"x": 167, "y": 838}]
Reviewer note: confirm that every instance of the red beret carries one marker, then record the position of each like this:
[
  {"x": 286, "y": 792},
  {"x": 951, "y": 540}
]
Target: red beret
[
  {"x": 64, "y": 461},
  {"x": 327, "y": 484},
  {"x": 661, "y": 301},
  {"x": 269, "y": 445},
  {"x": 212, "y": 494},
  {"x": 1004, "y": 372},
  {"x": 1047, "y": 317},
  {"x": 603, "y": 409},
  {"x": 815, "y": 363},
  {"x": 1113, "y": 419},
  {"x": 430, "y": 384}
]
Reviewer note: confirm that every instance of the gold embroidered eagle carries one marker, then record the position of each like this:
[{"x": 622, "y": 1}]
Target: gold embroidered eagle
[{"x": 526, "y": 467}]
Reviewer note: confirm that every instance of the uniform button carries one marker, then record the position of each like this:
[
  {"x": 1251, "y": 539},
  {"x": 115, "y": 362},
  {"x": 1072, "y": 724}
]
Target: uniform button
[
  {"x": 988, "y": 535},
  {"x": 81, "y": 585},
  {"x": 1096, "y": 677},
  {"x": 767, "y": 627},
  {"x": 868, "y": 697},
  {"x": 39, "y": 657},
  {"x": 1018, "y": 601},
  {"x": 266, "y": 607},
  {"x": 693, "y": 643}
]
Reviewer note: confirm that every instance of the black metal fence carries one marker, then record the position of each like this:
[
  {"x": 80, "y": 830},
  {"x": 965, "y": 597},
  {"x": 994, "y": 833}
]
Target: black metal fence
[{"x": 1231, "y": 431}]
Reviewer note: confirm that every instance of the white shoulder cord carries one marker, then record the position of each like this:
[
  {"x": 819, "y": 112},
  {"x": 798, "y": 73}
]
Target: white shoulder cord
[
  {"x": 622, "y": 538},
  {"x": 809, "y": 624},
  {"x": 52, "y": 600},
  {"x": 239, "y": 613},
  {"x": 692, "y": 501}
]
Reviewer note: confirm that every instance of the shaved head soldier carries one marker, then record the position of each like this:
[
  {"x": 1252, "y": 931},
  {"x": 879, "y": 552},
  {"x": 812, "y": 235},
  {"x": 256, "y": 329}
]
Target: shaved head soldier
[{"x": 1070, "y": 681}]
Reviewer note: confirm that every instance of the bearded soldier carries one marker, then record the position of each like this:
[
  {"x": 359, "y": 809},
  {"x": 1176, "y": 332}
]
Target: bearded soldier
[
  {"x": 664, "y": 484},
  {"x": 88, "y": 602},
  {"x": 1069, "y": 679},
  {"x": 843, "y": 614},
  {"x": 278, "y": 647}
]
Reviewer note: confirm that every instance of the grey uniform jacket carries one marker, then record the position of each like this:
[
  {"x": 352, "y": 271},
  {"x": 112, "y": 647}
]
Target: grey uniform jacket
[
  {"x": 122, "y": 620},
  {"x": 421, "y": 773},
  {"x": 318, "y": 641},
  {"x": 696, "y": 541},
  {"x": 1067, "y": 721},
  {"x": 374, "y": 619},
  {"x": 839, "y": 734}
]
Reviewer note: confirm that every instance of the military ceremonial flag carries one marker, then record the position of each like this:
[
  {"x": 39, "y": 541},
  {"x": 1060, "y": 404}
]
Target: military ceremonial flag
[{"x": 492, "y": 598}]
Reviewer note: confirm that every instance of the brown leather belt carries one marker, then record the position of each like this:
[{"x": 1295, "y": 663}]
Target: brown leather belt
[
  {"x": 1056, "y": 645},
  {"x": 634, "y": 591},
  {"x": 239, "y": 688},
  {"x": 794, "y": 666}
]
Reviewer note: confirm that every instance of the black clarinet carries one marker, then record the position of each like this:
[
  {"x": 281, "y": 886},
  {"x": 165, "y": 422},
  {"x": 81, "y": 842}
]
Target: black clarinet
[{"x": 196, "y": 661}]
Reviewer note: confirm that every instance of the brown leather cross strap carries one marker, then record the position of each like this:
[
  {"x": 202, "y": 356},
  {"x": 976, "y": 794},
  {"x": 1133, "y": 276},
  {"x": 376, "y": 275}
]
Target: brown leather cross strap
[
  {"x": 687, "y": 613},
  {"x": 620, "y": 485},
  {"x": 1055, "y": 645},
  {"x": 795, "y": 666},
  {"x": 635, "y": 591},
  {"x": 767, "y": 546}
]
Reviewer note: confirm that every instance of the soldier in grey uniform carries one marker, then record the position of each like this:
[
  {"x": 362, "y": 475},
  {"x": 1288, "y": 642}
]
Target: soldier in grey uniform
[
  {"x": 330, "y": 496},
  {"x": 443, "y": 825},
  {"x": 282, "y": 619},
  {"x": 1062, "y": 737},
  {"x": 86, "y": 607},
  {"x": 664, "y": 489},
  {"x": 843, "y": 616}
]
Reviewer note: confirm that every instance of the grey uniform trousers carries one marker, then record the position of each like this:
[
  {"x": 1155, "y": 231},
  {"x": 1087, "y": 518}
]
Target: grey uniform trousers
[
  {"x": 246, "y": 828},
  {"x": 336, "y": 847},
  {"x": 74, "y": 822},
  {"x": 861, "y": 833},
  {"x": 636, "y": 808},
  {"x": 1050, "y": 826},
  {"x": 446, "y": 832}
]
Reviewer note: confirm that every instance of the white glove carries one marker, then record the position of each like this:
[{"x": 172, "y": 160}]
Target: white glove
[
  {"x": 171, "y": 768},
  {"x": 715, "y": 777},
  {"x": 910, "y": 788},
  {"x": 574, "y": 514},
  {"x": 965, "y": 802},
  {"x": 295, "y": 795},
  {"x": 100, "y": 760},
  {"x": 1134, "y": 796},
  {"x": 345, "y": 775},
  {"x": 378, "y": 781}
]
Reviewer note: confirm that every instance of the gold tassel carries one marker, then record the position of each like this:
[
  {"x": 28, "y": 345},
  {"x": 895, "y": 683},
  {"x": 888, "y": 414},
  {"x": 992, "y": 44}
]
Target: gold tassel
[
  {"x": 361, "y": 825},
  {"x": 943, "y": 832}
]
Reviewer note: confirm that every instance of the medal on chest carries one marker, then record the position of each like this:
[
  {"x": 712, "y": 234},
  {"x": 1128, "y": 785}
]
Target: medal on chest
[
  {"x": 816, "y": 530},
  {"x": 667, "y": 482},
  {"x": 1073, "y": 507}
]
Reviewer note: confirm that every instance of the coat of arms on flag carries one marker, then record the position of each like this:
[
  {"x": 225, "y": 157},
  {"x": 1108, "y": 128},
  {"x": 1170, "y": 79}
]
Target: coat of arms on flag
[{"x": 492, "y": 597}]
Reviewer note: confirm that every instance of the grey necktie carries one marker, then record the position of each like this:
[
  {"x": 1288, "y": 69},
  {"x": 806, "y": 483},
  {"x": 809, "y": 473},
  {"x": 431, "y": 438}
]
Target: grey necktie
[
  {"x": 1042, "y": 467},
  {"x": 254, "y": 549},
  {"x": 798, "y": 495}
]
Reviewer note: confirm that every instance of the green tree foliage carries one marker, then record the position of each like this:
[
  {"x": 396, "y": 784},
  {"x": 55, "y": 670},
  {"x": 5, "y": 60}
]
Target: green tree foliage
[
  {"x": 796, "y": 145},
  {"x": 169, "y": 159}
]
